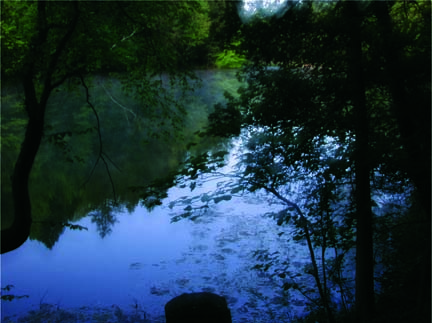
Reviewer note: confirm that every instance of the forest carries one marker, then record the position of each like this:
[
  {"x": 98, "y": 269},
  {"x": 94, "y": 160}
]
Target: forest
[{"x": 335, "y": 95}]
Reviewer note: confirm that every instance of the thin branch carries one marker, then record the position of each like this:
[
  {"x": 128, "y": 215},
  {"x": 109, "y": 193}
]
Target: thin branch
[
  {"x": 304, "y": 294},
  {"x": 111, "y": 161},
  {"x": 307, "y": 235},
  {"x": 101, "y": 153},
  {"x": 55, "y": 57},
  {"x": 120, "y": 105}
]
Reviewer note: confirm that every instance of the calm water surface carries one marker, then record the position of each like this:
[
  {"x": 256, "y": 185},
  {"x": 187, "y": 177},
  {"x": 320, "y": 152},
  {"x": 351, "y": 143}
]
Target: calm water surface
[{"x": 146, "y": 260}]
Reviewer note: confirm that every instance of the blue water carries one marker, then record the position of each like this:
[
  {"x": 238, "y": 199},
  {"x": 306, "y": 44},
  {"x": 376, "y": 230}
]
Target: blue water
[{"x": 148, "y": 260}]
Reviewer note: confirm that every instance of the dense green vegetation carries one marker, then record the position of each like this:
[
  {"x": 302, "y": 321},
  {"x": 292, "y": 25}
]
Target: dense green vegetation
[
  {"x": 337, "y": 98},
  {"x": 64, "y": 183},
  {"x": 50, "y": 49}
]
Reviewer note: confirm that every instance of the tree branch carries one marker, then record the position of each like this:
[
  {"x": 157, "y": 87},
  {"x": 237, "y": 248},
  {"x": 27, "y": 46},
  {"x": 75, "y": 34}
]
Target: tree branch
[
  {"x": 55, "y": 57},
  {"x": 307, "y": 235},
  {"x": 101, "y": 154}
]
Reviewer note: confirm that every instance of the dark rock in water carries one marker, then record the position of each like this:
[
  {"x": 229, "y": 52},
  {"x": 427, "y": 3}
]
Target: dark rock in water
[{"x": 197, "y": 308}]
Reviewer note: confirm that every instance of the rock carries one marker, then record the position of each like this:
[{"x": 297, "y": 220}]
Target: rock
[{"x": 201, "y": 307}]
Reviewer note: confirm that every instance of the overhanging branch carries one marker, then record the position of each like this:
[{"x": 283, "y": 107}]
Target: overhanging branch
[{"x": 101, "y": 155}]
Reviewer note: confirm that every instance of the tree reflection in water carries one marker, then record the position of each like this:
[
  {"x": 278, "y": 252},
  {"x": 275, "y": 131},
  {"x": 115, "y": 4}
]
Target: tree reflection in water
[{"x": 105, "y": 217}]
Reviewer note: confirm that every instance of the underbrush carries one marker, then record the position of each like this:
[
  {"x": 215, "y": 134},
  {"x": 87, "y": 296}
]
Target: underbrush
[{"x": 48, "y": 313}]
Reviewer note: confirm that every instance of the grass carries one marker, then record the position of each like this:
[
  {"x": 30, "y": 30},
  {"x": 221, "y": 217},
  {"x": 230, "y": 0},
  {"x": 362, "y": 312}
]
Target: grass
[{"x": 48, "y": 313}]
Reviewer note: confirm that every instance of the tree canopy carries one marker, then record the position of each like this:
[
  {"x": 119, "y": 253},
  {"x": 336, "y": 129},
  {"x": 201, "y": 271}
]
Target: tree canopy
[
  {"x": 338, "y": 97},
  {"x": 48, "y": 44}
]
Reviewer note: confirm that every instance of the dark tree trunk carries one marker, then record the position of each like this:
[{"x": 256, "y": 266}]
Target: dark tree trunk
[
  {"x": 19, "y": 231},
  {"x": 14, "y": 236},
  {"x": 411, "y": 106},
  {"x": 412, "y": 109},
  {"x": 364, "y": 295}
]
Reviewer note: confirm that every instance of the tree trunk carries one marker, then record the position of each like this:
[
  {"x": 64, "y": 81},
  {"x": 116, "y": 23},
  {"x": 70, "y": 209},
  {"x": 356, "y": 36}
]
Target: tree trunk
[
  {"x": 413, "y": 115},
  {"x": 412, "y": 112},
  {"x": 364, "y": 295},
  {"x": 19, "y": 231}
]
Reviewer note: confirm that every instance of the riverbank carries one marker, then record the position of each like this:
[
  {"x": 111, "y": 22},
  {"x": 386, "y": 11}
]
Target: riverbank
[{"x": 85, "y": 314}]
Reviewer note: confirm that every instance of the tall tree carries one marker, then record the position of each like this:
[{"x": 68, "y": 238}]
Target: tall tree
[
  {"x": 365, "y": 296},
  {"x": 354, "y": 87}
]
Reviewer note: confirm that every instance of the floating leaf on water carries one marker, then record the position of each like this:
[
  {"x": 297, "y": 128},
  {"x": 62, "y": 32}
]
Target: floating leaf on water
[
  {"x": 228, "y": 250},
  {"x": 219, "y": 257},
  {"x": 231, "y": 300},
  {"x": 8, "y": 287},
  {"x": 205, "y": 198},
  {"x": 237, "y": 189},
  {"x": 192, "y": 186},
  {"x": 279, "y": 300},
  {"x": 175, "y": 219},
  {"x": 200, "y": 248},
  {"x": 297, "y": 302},
  {"x": 297, "y": 237},
  {"x": 195, "y": 217},
  {"x": 230, "y": 238},
  {"x": 222, "y": 198},
  {"x": 181, "y": 216},
  {"x": 159, "y": 292},
  {"x": 135, "y": 266},
  {"x": 182, "y": 281}
]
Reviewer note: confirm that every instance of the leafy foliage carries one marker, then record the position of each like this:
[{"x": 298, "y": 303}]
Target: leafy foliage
[
  {"x": 229, "y": 58},
  {"x": 300, "y": 119},
  {"x": 47, "y": 45}
]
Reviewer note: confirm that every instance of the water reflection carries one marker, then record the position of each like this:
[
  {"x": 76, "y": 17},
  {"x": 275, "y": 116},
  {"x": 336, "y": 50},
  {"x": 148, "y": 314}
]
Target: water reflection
[
  {"x": 132, "y": 259},
  {"x": 104, "y": 218},
  {"x": 148, "y": 259},
  {"x": 66, "y": 181}
]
